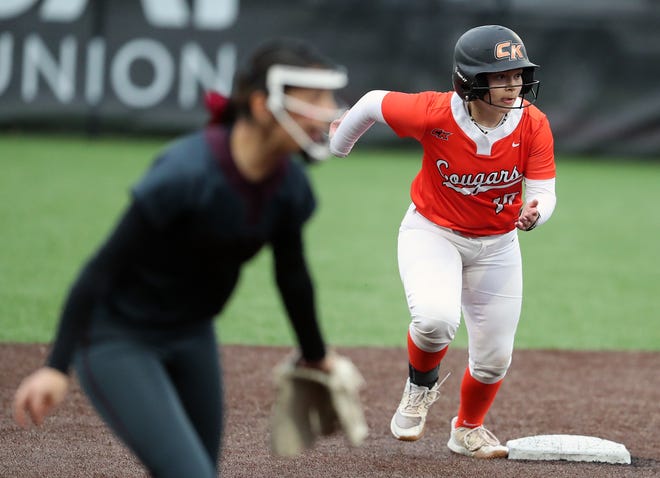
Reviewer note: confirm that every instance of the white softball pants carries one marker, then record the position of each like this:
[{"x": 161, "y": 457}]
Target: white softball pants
[{"x": 444, "y": 273}]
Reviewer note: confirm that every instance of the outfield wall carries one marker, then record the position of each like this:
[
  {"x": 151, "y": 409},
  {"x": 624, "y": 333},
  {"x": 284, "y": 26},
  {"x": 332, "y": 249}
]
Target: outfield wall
[{"x": 141, "y": 66}]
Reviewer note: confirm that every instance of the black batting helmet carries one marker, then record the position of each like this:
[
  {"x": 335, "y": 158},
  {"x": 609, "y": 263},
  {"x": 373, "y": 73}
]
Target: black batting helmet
[{"x": 490, "y": 49}]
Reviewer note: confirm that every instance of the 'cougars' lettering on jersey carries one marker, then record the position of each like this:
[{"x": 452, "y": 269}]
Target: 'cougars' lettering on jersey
[{"x": 481, "y": 182}]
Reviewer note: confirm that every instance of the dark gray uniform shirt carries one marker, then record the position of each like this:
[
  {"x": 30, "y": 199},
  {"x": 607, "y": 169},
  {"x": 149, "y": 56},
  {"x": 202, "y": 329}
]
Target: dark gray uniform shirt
[{"x": 176, "y": 254}]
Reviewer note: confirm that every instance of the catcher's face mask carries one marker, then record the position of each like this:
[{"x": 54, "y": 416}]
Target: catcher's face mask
[{"x": 281, "y": 104}]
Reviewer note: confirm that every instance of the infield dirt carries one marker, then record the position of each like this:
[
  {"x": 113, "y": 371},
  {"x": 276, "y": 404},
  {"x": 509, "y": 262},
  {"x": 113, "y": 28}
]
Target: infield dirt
[{"x": 611, "y": 395}]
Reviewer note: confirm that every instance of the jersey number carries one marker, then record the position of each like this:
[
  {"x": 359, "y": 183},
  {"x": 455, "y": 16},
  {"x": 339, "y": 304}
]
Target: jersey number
[{"x": 500, "y": 202}]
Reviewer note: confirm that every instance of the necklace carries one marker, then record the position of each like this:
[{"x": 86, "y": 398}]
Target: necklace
[{"x": 487, "y": 129}]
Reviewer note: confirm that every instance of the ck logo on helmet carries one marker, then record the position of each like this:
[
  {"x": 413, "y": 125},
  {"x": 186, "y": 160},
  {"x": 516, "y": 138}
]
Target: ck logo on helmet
[
  {"x": 206, "y": 14},
  {"x": 509, "y": 50}
]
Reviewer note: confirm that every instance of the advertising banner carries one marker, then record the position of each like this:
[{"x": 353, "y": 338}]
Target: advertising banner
[
  {"x": 142, "y": 65},
  {"x": 129, "y": 65}
]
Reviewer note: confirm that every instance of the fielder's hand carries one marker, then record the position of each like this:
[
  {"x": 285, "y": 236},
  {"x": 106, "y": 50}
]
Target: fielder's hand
[
  {"x": 312, "y": 403},
  {"x": 39, "y": 394}
]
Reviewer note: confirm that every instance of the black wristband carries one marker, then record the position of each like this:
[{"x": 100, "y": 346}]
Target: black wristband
[{"x": 533, "y": 225}]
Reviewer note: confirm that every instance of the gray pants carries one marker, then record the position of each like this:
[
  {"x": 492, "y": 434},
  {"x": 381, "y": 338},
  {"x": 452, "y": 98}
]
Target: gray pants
[{"x": 159, "y": 390}]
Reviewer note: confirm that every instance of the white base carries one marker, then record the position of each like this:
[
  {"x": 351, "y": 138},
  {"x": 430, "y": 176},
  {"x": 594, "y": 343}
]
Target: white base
[{"x": 567, "y": 447}]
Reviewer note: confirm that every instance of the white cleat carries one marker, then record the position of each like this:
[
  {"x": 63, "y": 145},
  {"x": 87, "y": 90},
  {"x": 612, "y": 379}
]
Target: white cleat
[
  {"x": 475, "y": 442},
  {"x": 408, "y": 421}
]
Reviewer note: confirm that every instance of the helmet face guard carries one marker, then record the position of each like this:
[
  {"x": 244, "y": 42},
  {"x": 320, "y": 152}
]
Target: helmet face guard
[
  {"x": 491, "y": 49},
  {"x": 281, "y": 104},
  {"x": 529, "y": 86}
]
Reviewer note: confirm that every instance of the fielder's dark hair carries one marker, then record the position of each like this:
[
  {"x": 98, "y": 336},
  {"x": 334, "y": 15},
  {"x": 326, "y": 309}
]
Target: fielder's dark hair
[{"x": 251, "y": 76}]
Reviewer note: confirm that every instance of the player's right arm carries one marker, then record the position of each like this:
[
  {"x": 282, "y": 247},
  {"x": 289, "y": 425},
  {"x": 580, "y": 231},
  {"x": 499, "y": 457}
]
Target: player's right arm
[
  {"x": 43, "y": 390},
  {"x": 38, "y": 394},
  {"x": 405, "y": 113},
  {"x": 345, "y": 131},
  {"x": 165, "y": 191}
]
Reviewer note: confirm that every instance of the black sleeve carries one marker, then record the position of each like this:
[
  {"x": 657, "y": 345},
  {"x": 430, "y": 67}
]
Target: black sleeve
[
  {"x": 297, "y": 291},
  {"x": 170, "y": 186},
  {"x": 125, "y": 244}
]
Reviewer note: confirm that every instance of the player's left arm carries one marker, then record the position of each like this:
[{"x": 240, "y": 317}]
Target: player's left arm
[
  {"x": 297, "y": 291},
  {"x": 539, "y": 181},
  {"x": 540, "y": 201}
]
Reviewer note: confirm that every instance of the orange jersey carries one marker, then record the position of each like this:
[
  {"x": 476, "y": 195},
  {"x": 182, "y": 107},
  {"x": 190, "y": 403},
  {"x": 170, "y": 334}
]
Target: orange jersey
[{"x": 470, "y": 181}]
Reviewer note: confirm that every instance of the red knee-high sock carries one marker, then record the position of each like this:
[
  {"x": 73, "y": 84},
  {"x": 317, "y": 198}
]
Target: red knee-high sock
[
  {"x": 421, "y": 360},
  {"x": 476, "y": 399}
]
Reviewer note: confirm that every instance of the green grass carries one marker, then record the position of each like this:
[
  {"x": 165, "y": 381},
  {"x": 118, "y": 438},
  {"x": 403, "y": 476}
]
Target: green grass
[{"x": 591, "y": 273}]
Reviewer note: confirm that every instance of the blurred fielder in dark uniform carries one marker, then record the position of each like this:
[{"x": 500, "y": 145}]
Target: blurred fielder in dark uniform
[{"x": 137, "y": 324}]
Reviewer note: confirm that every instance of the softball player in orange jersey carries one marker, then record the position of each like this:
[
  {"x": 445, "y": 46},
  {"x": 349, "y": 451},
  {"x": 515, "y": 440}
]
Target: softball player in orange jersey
[{"x": 487, "y": 170}]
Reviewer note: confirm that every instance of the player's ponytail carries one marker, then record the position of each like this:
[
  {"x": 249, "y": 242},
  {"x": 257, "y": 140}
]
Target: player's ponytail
[{"x": 220, "y": 109}]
